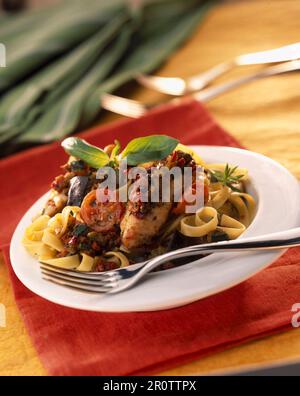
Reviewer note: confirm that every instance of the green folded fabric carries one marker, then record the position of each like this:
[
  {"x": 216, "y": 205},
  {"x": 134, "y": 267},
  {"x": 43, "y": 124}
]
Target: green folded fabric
[
  {"x": 147, "y": 56},
  {"x": 63, "y": 58},
  {"x": 13, "y": 26},
  {"x": 54, "y": 80},
  {"x": 64, "y": 116},
  {"x": 60, "y": 33}
]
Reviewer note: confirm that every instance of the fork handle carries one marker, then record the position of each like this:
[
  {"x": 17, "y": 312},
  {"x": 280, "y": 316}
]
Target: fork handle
[
  {"x": 276, "y": 55},
  {"x": 210, "y": 93},
  {"x": 278, "y": 240}
]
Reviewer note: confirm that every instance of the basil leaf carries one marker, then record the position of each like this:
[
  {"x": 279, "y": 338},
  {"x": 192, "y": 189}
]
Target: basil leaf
[
  {"x": 148, "y": 148},
  {"x": 92, "y": 155}
]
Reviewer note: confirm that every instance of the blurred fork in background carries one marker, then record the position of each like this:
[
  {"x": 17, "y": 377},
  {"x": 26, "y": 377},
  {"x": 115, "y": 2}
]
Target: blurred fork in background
[
  {"x": 135, "y": 109},
  {"x": 178, "y": 86}
]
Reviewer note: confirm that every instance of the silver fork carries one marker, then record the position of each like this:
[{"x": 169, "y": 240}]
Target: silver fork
[
  {"x": 124, "y": 278},
  {"x": 135, "y": 109},
  {"x": 179, "y": 86}
]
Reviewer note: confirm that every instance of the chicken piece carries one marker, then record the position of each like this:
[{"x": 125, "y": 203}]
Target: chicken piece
[
  {"x": 138, "y": 228},
  {"x": 55, "y": 203}
]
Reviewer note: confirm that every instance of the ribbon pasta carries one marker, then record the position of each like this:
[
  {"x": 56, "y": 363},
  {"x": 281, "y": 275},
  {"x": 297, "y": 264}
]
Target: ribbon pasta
[
  {"x": 32, "y": 239},
  {"x": 219, "y": 197},
  {"x": 219, "y": 214},
  {"x": 118, "y": 258},
  {"x": 206, "y": 220},
  {"x": 60, "y": 221},
  {"x": 230, "y": 226},
  {"x": 245, "y": 205},
  {"x": 42, "y": 240},
  {"x": 203, "y": 222},
  {"x": 68, "y": 262}
]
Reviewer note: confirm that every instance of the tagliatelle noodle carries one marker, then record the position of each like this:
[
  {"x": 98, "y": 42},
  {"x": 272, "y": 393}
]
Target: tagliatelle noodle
[
  {"x": 121, "y": 258},
  {"x": 68, "y": 262},
  {"x": 200, "y": 224}
]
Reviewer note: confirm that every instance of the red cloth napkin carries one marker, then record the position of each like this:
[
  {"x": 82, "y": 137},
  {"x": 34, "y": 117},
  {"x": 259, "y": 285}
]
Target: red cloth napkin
[{"x": 72, "y": 342}]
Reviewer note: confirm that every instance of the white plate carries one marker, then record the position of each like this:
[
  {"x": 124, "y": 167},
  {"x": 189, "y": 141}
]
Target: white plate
[{"x": 278, "y": 195}]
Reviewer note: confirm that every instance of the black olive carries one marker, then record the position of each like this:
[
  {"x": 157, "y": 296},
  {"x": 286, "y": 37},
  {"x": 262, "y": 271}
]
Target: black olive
[{"x": 77, "y": 190}]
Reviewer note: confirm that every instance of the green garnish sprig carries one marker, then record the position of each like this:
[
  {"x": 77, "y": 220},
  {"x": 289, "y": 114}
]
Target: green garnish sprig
[
  {"x": 148, "y": 148},
  {"x": 227, "y": 177},
  {"x": 91, "y": 155},
  {"x": 139, "y": 150}
]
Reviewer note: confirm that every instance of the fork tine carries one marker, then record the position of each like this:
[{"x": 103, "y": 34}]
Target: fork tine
[
  {"x": 168, "y": 85},
  {"x": 80, "y": 289},
  {"x": 110, "y": 282},
  {"x": 75, "y": 285},
  {"x": 77, "y": 274},
  {"x": 124, "y": 106}
]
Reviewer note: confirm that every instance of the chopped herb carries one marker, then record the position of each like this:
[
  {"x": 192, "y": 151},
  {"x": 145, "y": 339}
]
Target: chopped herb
[
  {"x": 84, "y": 246},
  {"x": 227, "y": 178},
  {"x": 218, "y": 236},
  {"x": 78, "y": 165},
  {"x": 80, "y": 229}
]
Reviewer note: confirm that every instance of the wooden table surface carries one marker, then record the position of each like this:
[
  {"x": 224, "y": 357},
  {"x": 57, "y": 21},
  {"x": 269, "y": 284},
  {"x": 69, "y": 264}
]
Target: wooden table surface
[{"x": 264, "y": 116}]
